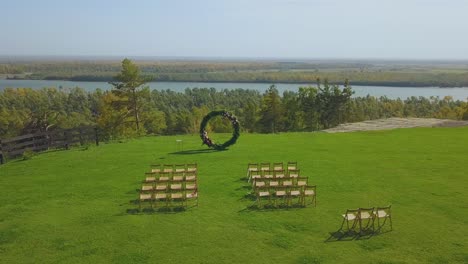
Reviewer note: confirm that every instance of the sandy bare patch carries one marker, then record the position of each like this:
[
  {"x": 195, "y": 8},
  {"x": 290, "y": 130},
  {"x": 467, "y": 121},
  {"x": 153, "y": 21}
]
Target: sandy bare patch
[{"x": 393, "y": 123}]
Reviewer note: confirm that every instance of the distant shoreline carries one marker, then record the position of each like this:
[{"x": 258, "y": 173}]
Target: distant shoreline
[{"x": 384, "y": 84}]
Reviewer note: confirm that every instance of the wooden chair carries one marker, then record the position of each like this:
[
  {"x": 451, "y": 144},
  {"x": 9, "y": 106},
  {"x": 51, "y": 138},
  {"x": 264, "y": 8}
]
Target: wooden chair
[
  {"x": 156, "y": 168},
  {"x": 302, "y": 181},
  {"x": 164, "y": 177},
  {"x": 279, "y": 174},
  {"x": 259, "y": 183},
  {"x": 251, "y": 168},
  {"x": 190, "y": 186},
  {"x": 309, "y": 191},
  {"x": 293, "y": 173},
  {"x": 190, "y": 176},
  {"x": 278, "y": 166},
  {"x": 280, "y": 193},
  {"x": 255, "y": 176},
  {"x": 294, "y": 192},
  {"x": 161, "y": 186},
  {"x": 292, "y": 165},
  {"x": 178, "y": 176},
  {"x": 366, "y": 214},
  {"x": 268, "y": 174},
  {"x": 191, "y": 195},
  {"x": 351, "y": 215},
  {"x": 264, "y": 166},
  {"x": 273, "y": 183},
  {"x": 384, "y": 212},
  {"x": 179, "y": 168},
  {"x": 147, "y": 187},
  {"x": 168, "y": 168},
  {"x": 150, "y": 177},
  {"x": 192, "y": 167},
  {"x": 162, "y": 196},
  {"x": 262, "y": 193},
  {"x": 145, "y": 197},
  {"x": 146, "y": 194}
]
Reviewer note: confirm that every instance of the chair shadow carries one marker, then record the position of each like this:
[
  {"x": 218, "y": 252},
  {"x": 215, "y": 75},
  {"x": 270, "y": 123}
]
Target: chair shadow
[
  {"x": 161, "y": 210},
  {"x": 194, "y": 151},
  {"x": 342, "y": 235}
]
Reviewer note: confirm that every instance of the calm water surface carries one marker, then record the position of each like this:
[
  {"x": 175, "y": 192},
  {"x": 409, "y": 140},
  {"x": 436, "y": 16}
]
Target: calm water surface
[{"x": 390, "y": 92}]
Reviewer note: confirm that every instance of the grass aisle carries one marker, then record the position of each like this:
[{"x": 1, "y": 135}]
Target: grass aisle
[{"x": 72, "y": 206}]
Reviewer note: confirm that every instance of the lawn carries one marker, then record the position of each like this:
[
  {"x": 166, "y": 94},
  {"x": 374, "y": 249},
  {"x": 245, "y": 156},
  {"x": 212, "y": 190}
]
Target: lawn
[{"x": 75, "y": 206}]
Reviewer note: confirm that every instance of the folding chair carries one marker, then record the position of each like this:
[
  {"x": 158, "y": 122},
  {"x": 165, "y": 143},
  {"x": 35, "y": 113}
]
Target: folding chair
[
  {"x": 191, "y": 195},
  {"x": 309, "y": 191},
  {"x": 179, "y": 168},
  {"x": 302, "y": 181},
  {"x": 255, "y": 176},
  {"x": 192, "y": 167},
  {"x": 177, "y": 197},
  {"x": 251, "y": 167},
  {"x": 156, "y": 168},
  {"x": 262, "y": 192},
  {"x": 168, "y": 168},
  {"x": 293, "y": 173},
  {"x": 294, "y": 192},
  {"x": 164, "y": 177},
  {"x": 292, "y": 165},
  {"x": 277, "y": 166},
  {"x": 351, "y": 215},
  {"x": 280, "y": 193},
  {"x": 273, "y": 183},
  {"x": 366, "y": 214},
  {"x": 178, "y": 176},
  {"x": 150, "y": 177},
  {"x": 279, "y": 173},
  {"x": 161, "y": 197},
  {"x": 147, "y": 187},
  {"x": 268, "y": 174},
  {"x": 190, "y": 176},
  {"x": 190, "y": 186},
  {"x": 161, "y": 186},
  {"x": 145, "y": 197},
  {"x": 258, "y": 183},
  {"x": 384, "y": 212},
  {"x": 264, "y": 166}
]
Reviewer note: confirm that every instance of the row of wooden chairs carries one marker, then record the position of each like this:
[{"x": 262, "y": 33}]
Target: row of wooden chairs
[
  {"x": 280, "y": 182},
  {"x": 190, "y": 167},
  {"x": 269, "y": 174},
  {"x": 170, "y": 176},
  {"x": 181, "y": 198},
  {"x": 286, "y": 194},
  {"x": 365, "y": 217},
  {"x": 268, "y": 166}
]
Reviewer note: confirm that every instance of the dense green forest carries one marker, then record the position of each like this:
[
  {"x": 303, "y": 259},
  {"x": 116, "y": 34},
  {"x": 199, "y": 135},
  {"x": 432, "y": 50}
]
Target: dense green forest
[
  {"x": 404, "y": 73},
  {"x": 131, "y": 109},
  {"x": 25, "y": 110}
]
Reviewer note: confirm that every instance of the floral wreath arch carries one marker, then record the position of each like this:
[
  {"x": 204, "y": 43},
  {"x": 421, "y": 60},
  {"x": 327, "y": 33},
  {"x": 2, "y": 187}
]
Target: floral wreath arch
[{"x": 204, "y": 135}]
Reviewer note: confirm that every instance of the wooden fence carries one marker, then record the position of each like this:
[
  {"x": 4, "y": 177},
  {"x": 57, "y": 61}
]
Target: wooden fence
[{"x": 14, "y": 147}]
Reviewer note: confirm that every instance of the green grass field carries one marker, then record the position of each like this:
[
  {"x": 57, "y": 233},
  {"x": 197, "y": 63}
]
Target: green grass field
[{"x": 74, "y": 206}]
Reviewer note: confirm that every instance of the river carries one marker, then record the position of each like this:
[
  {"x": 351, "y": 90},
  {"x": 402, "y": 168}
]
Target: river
[{"x": 390, "y": 92}]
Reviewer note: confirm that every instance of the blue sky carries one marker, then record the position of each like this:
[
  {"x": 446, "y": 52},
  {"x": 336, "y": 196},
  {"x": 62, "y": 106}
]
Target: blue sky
[{"x": 389, "y": 29}]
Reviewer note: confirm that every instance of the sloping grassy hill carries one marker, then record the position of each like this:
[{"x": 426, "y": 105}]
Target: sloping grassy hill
[{"x": 74, "y": 206}]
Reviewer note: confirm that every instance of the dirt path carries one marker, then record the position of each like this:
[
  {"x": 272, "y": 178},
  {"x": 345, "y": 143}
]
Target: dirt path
[{"x": 393, "y": 123}]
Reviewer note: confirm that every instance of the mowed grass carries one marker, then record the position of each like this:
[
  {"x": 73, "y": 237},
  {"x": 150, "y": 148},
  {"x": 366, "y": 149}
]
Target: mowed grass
[{"x": 75, "y": 206}]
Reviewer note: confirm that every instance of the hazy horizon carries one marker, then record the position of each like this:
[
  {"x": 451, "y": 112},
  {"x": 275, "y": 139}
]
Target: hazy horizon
[{"x": 255, "y": 29}]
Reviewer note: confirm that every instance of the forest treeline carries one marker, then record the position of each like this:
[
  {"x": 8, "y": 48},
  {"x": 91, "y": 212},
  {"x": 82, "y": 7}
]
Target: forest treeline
[
  {"x": 358, "y": 73},
  {"x": 166, "y": 112}
]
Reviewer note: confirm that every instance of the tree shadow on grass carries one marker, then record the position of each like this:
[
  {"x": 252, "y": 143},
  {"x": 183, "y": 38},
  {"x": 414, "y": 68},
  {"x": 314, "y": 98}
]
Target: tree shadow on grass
[{"x": 195, "y": 151}]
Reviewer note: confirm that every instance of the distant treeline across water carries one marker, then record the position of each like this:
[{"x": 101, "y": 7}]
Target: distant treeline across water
[{"x": 459, "y": 93}]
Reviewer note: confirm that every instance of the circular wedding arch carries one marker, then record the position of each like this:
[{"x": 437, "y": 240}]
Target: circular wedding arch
[{"x": 204, "y": 135}]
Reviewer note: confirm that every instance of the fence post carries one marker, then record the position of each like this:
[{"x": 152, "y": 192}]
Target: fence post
[{"x": 96, "y": 137}]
